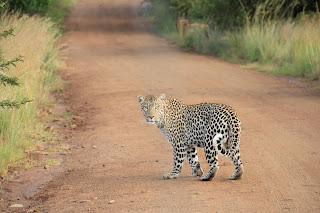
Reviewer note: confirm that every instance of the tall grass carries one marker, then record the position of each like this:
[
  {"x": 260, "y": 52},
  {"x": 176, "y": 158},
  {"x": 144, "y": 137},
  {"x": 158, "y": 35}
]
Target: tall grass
[
  {"x": 292, "y": 47},
  {"x": 303, "y": 49},
  {"x": 35, "y": 40}
]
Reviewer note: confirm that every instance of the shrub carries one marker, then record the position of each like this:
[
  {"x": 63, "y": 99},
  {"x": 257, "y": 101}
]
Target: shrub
[{"x": 163, "y": 16}]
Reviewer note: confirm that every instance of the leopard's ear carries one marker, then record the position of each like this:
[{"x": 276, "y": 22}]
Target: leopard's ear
[
  {"x": 140, "y": 99},
  {"x": 162, "y": 96}
]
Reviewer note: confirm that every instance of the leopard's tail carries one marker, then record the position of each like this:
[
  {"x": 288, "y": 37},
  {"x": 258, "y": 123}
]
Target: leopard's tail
[{"x": 234, "y": 134}]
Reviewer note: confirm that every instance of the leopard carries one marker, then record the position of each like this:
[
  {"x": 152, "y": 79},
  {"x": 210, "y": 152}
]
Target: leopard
[{"x": 214, "y": 127}]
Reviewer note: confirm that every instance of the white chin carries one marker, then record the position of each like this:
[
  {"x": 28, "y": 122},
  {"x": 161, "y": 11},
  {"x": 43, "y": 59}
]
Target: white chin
[{"x": 151, "y": 122}]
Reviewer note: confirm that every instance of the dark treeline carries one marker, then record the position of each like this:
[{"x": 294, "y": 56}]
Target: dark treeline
[{"x": 29, "y": 6}]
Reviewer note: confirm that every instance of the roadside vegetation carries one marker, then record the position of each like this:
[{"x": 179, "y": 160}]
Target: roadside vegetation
[
  {"x": 35, "y": 27},
  {"x": 278, "y": 36}
]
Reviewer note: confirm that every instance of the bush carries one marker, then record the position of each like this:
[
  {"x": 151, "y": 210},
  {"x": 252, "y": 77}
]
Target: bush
[
  {"x": 58, "y": 9},
  {"x": 30, "y": 6},
  {"x": 162, "y": 15}
]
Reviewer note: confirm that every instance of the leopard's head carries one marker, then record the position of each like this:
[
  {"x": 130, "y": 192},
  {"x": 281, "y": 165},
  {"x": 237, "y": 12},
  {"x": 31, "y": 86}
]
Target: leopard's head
[{"x": 152, "y": 108}]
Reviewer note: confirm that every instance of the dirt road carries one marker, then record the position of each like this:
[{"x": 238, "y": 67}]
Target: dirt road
[{"x": 112, "y": 58}]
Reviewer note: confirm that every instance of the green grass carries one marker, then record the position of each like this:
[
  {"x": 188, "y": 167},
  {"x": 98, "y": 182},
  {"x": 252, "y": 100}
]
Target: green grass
[{"x": 35, "y": 39}]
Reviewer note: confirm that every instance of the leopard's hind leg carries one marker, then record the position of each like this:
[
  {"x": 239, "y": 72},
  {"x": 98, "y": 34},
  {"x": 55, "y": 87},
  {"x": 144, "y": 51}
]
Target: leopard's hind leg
[
  {"x": 235, "y": 157},
  {"x": 211, "y": 154},
  {"x": 234, "y": 153}
]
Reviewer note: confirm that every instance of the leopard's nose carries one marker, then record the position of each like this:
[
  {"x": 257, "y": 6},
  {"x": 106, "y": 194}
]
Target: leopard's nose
[{"x": 151, "y": 117}]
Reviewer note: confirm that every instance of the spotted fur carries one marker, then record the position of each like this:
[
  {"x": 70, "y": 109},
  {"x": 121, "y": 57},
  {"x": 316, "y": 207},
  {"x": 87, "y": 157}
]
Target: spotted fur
[{"x": 215, "y": 127}]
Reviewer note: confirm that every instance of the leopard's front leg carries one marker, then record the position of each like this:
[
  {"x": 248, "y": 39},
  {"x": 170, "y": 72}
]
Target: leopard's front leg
[
  {"x": 179, "y": 154},
  {"x": 194, "y": 161}
]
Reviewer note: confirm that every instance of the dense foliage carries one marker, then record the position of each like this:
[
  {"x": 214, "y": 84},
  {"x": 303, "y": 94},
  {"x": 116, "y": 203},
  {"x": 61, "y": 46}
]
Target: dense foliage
[{"x": 30, "y": 6}]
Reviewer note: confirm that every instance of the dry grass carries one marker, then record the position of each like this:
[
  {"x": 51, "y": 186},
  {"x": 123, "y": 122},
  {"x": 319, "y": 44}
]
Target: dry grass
[
  {"x": 304, "y": 48},
  {"x": 35, "y": 40}
]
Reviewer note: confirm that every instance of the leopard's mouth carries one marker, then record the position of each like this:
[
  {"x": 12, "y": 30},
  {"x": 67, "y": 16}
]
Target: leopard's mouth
[{"x": 151, "y": 121}]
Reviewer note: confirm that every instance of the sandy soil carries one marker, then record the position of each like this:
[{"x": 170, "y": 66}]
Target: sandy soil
[{"x": 112, "y": 58}]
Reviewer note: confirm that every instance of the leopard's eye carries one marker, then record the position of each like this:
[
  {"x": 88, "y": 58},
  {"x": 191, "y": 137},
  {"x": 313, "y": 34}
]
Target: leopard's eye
[{"x": 145, "y": 107}]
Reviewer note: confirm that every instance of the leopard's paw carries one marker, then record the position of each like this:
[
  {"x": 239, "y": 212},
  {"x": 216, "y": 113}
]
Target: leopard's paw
[
  {"x": 210, "y": 175},
  {"x": 196, "y": 172},
  {"x": 238, "y": 174},
  {"x": 207, "y": 177},
  {"x": 170, "y": 176}
]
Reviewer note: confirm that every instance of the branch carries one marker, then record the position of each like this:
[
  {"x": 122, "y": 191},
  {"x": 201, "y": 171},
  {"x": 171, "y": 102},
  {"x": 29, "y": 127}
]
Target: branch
[
  {"x": 6, "y": 33},
  {"x": 4, "y": 79},
  {"x": 4, "y": 64},
  {"x": 13, "y": 104}
]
